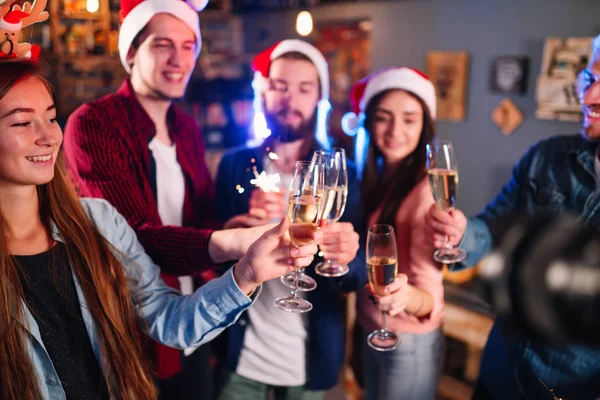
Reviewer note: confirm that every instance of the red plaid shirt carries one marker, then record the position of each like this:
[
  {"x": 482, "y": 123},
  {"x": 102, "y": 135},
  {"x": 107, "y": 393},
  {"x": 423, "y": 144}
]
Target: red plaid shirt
[{"x": 106, "y": 146}]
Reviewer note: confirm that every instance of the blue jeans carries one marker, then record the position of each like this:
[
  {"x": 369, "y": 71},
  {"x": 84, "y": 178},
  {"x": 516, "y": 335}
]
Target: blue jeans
[{"x": 411, "y": 372}]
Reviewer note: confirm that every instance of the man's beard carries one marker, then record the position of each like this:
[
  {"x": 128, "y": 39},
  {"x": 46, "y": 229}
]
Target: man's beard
[{"x": 286, "y": 133}]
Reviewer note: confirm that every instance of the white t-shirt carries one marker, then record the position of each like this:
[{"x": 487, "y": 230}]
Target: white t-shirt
[
  {"x": 170, "y": 188},
  {"x": 274, "y": 349},
  {"x": 170, "y": 195}
]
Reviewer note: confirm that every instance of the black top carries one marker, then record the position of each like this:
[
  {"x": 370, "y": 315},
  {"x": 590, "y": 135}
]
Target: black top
[{"x": 51, "y": 297}]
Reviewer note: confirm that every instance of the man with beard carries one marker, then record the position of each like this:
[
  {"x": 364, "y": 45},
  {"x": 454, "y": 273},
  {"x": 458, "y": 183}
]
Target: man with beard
[
  {"x": 270, "y": 352},
  {"x": 557, "y": 175},
  {"x": 146, "y": 157}
]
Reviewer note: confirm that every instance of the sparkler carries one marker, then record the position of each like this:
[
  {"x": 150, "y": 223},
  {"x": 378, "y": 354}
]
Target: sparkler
[{"x": 266, "y": 182}]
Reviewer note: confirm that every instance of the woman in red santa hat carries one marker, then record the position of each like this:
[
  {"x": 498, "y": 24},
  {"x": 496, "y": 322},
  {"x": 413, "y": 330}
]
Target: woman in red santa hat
[{"x": 394, "y": 112}]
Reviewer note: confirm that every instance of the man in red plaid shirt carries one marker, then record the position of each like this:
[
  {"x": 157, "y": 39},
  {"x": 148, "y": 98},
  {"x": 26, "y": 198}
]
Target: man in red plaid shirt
[{"x": 146, "y": 157}]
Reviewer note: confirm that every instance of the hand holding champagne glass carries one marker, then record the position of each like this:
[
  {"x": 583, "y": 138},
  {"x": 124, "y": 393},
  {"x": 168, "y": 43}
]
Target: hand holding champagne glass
[
  {"x": 304, "y": 210},
  {"x": 443, "y": 179},
  {"x": 382, "y": 268},
  {"x": 334, "y": 200}
]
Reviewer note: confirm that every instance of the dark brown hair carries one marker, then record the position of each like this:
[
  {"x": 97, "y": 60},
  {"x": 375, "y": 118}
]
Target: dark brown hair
[
  {"x": 99, "y": 273},
  {"x": 389, "y": 191}
]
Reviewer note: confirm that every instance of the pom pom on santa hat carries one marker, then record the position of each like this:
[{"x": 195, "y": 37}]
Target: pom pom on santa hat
[
  {"x": 135, "y": 15},
  {"x": 262, "y": 65}
]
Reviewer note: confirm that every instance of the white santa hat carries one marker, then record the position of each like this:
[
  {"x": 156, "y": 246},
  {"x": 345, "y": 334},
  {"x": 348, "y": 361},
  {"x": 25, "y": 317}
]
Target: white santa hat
[
  {"x": 262, "y": 65},
  {"x": 408, "y": 79},
  {"x": 12, "y": 20},
  {"x": 135, "y": 15}
]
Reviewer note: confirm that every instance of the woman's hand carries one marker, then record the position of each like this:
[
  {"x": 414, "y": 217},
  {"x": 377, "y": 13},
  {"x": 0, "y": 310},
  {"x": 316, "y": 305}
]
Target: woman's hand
[
  {"x": 404, "y": 297},
  {"x": 272, "y": 256},
  {"x": 398, "y": 298}
]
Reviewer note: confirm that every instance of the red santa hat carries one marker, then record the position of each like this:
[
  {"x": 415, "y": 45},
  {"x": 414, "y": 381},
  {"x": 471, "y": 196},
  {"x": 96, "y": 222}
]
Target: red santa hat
[
  {"x": 365, "y": 90},
  {"x": 12, "y": 20},
  {"x": 135, "y": 15},
  {"x": 262, "y": 65}
]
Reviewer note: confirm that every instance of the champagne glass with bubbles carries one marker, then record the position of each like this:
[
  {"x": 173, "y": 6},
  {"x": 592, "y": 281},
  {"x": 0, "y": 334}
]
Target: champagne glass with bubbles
[
  {"x": 443, "y": 179},
  {"x": 304, "y": 209},
  {"x": 382, "y": 269},
  {"x": 334, "y": 200}
]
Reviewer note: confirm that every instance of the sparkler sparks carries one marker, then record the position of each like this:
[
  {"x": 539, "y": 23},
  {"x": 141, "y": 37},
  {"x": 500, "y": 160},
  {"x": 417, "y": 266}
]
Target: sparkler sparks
[{"x": 266, "y": 182}]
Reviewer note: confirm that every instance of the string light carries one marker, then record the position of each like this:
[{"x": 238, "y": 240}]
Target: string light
[
  {"x": 304, "y": 23},
  {"x": 92, "y": 6}
]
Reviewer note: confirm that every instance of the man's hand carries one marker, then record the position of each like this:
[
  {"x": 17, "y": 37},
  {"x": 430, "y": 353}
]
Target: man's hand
[
  {"x": 271, "y": 206},
  {"x": 263, "y": 209},
  {"x": 340, "y": 242},
  {"x": 272, "y": 256},
  {"x": 444, "y": 227}
]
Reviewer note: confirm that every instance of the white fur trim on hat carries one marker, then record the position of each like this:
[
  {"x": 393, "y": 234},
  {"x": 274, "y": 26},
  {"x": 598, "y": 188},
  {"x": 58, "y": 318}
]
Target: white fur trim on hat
[
  {"x": 310, "y": 51},
  {"x": 7, "y": 26},
  {"x": 401, "y": 78},
  {"x": 260, "y": 84},
  {"x": 140, "y": 15}
]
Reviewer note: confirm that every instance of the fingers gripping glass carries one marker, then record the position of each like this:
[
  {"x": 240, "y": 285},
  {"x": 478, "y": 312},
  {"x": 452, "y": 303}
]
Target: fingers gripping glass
[
  {"x": 334, "y": 201},
  {"x": 304, "y": 210},
  {"x": 443, "y": 179},
  {"x": 382, "y": 268}
]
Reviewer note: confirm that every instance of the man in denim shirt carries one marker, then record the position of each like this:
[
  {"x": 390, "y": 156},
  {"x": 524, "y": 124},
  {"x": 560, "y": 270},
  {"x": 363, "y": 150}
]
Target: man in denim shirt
[{"x": 560, "y": 174}]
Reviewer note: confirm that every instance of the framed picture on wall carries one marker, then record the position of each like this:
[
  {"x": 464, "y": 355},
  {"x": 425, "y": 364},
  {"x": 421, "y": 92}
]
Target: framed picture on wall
[
  {"x": 449, "y": 73},
  {"x": 509, "y": 75},
  {"x": 556, "y": 93}
]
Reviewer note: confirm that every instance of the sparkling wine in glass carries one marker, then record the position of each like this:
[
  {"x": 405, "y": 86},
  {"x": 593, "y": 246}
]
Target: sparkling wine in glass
[
  {"x": 382, "y": 268},
  {"x": 334, "y": 200},
  {"x": 443, "y": 179},
  {"x": 304, "y": 209}
]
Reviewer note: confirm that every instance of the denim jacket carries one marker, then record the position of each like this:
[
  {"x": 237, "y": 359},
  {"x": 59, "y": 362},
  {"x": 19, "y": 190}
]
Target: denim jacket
[
  {"x": 170, "y": 318},
  {"x": 556, "y": 175}
]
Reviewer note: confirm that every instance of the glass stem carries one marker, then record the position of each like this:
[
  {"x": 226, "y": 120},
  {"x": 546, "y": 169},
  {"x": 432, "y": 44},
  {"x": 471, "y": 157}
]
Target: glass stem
[
  {"x": 384, "y": 321},
  {"x": 298, "y": 274},
  {"x": 448, "y": 245}
]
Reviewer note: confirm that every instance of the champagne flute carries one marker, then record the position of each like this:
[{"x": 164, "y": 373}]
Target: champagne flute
[
  {"x": 382, "y": 268},
  {"x": 334, "y": 201},
  {"x": 443, "y": 179},
  {"x": 304, "y": 283},
  {"x": 304, "y": 209}
]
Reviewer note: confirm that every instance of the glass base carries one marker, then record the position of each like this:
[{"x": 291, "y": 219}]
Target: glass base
[
  {"x": 450, "y": 255},
  {"x": 293, "y": 304},
  {"x": 383, "y": 340},
  {"x": 305, "y": 284},
  {"x": 331, "y": 270}
]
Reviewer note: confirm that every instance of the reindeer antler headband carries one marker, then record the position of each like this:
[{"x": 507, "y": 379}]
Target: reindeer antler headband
[{"x": 13, "y": 18}]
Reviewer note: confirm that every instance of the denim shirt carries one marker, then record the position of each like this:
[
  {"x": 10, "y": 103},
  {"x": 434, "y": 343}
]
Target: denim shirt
[
  {"x": 170, "y": 318},
  {"x": 555, "y": 176}
]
